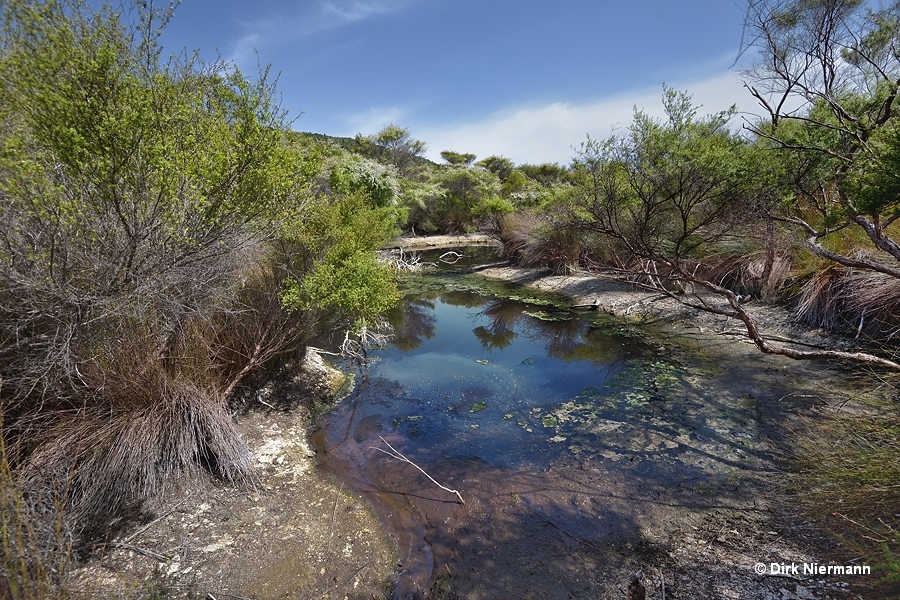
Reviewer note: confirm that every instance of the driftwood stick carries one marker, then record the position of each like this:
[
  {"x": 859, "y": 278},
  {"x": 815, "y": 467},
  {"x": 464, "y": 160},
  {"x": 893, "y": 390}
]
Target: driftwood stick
[{"x": 396, "y": 454}]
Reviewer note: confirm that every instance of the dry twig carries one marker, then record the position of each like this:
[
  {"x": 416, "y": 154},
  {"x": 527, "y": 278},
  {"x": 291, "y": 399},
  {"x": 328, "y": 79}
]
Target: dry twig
[{"x": 394, "y": 453}]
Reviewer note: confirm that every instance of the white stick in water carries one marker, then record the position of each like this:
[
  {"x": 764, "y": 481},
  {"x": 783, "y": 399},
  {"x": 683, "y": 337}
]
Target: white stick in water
[{"x": 394, "y": 453}]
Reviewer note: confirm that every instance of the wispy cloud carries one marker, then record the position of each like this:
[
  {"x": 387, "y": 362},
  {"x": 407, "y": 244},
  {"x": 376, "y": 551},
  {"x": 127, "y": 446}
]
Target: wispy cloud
[
  {"x": 349, "y": 11},
  {"x": 306, "y": 20},
  {"x": 549, "y": 133},
  {"x": 375, "y": 118}
]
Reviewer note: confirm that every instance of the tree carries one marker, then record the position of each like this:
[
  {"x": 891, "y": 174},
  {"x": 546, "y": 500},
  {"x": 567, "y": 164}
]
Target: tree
[
  {"x": 839, "y": 61},
  {"x": 546, "y": 174},
  {"x": 394, "y": 145},
  {"x": 457, "y": 158},
  {"x": 664, "y": 196},
  {"x": 463, "y": 192},
  {"x": 379, "y": 182},
  {"x": 500, "y": 166}
]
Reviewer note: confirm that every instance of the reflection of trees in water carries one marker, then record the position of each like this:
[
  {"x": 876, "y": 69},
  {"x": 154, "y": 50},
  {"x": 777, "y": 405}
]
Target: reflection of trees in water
[
  {"x": 503, "y": 315},
  {"x": 567, "y": 341},
  {"x": 564, "y": 340},
  {"x": 463, "y": 298},
  {"x": 413, "y": 322}
]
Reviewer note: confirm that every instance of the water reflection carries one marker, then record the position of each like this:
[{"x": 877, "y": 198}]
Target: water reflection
[
  {"x": 412, "y": 323},
  {"x": 580, "y": 448},
  {"x": 500, "y": 333}
]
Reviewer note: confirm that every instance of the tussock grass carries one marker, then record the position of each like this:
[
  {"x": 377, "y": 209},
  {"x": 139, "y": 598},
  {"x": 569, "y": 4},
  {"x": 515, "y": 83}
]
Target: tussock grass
[
  {"x": 821, "y": 297},
  {"x": 836, "y": 297},
  {"x": 745, "y": 274},
  {"x": 532, "y": 240},
  {"x": 148, "y": 406},
  {"x": 147, "y": 432}
]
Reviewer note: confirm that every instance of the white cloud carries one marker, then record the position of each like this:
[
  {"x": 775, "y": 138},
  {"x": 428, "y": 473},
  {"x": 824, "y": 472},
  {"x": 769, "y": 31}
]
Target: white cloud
[
  {"x": 308, "y": 19},
  {"x": 549, "y": 133},
  {"x": 348, "y": 11},
  {"x": 374, "y": 119}
]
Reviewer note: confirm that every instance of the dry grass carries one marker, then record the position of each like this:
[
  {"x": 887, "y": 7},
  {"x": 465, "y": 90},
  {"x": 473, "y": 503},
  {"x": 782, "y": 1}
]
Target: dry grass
[
  {"x": 837, "y": 297},
  {"x": 145, "y": 398},
  {"x": 850, "y": 478},
  {"x": 144, "y": 429},
  {"x": 745, "y": 274},
  {"x": 821, "y": 297},
  {"x": 873, "y": 300},
  {"x": 35, "y": 544},
  {"x": 532, "y": 240}
]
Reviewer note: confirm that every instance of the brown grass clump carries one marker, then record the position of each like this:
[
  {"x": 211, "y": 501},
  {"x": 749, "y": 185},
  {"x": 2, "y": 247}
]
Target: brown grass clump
[
  {"x": 145, "y": 403},
  {"x": 532, "y": 240},
  {"x": 746, "y": 274},
  {"x": 143, "y": 428},
  {"x": 873, "y": 300},
  {"x": 835, "y": 297},
  {"x": 821, "y": 297}
]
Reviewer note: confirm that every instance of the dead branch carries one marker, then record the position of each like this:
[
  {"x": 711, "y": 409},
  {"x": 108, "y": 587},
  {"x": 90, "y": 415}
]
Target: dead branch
[
  {"x": 396, "y": 454},
  {"x": 356, "y": 346},
  {"x": 139, "y": 550},
  {"x": 450, "y": 258}
]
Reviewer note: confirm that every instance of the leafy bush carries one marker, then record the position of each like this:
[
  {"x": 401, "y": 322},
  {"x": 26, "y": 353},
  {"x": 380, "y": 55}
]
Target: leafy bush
[{"x": 152, "y": 215}]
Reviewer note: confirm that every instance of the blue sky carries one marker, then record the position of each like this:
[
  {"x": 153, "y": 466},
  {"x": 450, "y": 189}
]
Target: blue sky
[{"x": 525, "y": 79}]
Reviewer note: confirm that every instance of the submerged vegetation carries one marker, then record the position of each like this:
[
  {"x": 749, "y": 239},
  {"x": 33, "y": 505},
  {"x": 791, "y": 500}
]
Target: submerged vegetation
[{"x": 167, "y": 240}]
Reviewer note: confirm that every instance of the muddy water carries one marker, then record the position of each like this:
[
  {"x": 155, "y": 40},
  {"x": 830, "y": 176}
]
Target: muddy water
[{"x": 584, "y": 448}]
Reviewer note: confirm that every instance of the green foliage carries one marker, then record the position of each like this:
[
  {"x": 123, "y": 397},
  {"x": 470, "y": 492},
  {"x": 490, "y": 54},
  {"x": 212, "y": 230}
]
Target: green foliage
[
  {"x": 380, "y": 183},
  {"x": 152, "y": 215},
  {"x": 874, "y": 181},
  {"x": 337, "y": 269},
  {"x": 498, "y": 165},
  {"x": 464, "y": 191},
  {"x": 395, "y": 146},
  {"x": 142, "y": 170},
  {"x": 839, "y": 61},
  {"x": 665, "y": 189},
  {"x": 545, "y": 174},
  {"x": 457, "y": 158}
]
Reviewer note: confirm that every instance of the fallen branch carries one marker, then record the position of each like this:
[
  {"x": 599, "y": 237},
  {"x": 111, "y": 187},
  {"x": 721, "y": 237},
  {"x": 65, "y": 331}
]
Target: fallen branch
[
  {"x": 154, "y": 521},
  {"x": 139, "y": 550},
  {"x": 454, "y": 257},
  {"x": 394, "y": 453}
]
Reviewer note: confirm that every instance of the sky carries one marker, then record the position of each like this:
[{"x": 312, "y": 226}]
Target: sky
[{"x": 524, "y": 79}]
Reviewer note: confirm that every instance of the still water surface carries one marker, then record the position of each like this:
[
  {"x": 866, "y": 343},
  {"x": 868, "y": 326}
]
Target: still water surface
[{"x": 580, "y": 444}]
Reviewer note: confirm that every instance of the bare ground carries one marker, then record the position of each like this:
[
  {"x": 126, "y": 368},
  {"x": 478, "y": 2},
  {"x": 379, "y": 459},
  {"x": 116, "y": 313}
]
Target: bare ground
[
  {"x": 442, "y": 241},
  {"x": 294, "y": 534}
]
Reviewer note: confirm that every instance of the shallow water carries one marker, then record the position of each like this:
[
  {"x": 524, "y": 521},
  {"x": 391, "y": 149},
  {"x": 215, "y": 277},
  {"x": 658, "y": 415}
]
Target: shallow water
[{"x": 580, "y": 445}]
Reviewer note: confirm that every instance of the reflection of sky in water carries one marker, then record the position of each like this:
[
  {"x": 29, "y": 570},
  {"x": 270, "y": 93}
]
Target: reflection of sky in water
[{"x": 467, "y": 377}]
